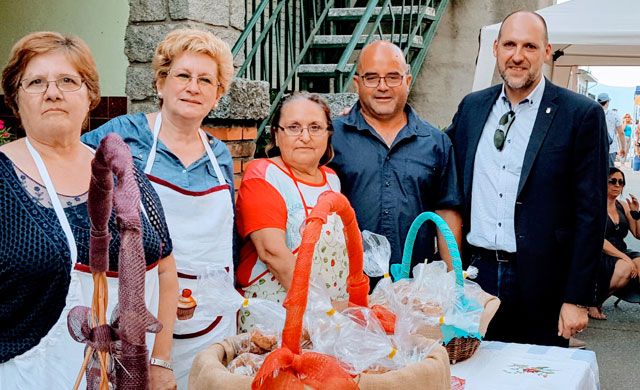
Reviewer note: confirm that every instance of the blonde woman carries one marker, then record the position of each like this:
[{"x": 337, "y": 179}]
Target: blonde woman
[{"x": 193, "y": 175}]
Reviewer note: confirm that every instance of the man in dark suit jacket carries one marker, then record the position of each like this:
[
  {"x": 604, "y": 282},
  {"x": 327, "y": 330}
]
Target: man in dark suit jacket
[{"x": 533, "y": 161}]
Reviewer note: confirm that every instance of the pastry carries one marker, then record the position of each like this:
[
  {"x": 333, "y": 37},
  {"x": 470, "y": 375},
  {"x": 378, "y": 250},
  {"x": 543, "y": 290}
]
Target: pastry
[{"x": 186, "y": 305}]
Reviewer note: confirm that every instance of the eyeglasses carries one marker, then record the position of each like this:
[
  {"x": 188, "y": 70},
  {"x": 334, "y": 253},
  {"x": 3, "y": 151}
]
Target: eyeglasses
[
  {"x": 314, "y": 130},
  {"x": 503, "y": 129},
  {"x": 40, "y": 85},
  {"x": 372, "y": 80},
  {"x": 615, "y": 181},
  {"x": 204, "y": 82}
]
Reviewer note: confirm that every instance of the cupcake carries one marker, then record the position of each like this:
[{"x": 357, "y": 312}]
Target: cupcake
[{"x": 186, "y": 305}]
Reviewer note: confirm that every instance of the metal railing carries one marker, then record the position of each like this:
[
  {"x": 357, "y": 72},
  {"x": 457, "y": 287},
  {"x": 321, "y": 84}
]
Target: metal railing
[
  {"x": 275, "y": 40},
  {"x": 278, "y": 35},
  {"x": 404, "y": 25}
]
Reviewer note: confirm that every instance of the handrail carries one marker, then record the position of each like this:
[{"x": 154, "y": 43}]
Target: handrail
[
  {"x": 265, "y": 32},
  {"x": 341, "y": 79},
  {"x": 426, "y": 41},
  {"x": 357, "y": 32},
  {"x": 249, "y": 27},
  {"x": 279, "y": 37},
  {"x": 297, "y": 63}
]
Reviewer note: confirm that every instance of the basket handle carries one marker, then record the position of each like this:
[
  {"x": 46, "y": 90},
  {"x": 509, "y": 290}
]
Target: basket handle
[
  {"x": 401, "y": 271},
  {"x": 357, "y": 282}
]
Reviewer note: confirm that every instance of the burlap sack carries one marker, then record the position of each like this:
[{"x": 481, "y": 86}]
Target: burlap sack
[{"x": 209, "y": 371}]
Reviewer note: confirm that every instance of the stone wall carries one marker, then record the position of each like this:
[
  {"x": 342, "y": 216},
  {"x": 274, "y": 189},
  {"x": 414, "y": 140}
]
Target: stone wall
[
  {"x": 447, "y": 74},
  {"x": 240, "y": 110}
]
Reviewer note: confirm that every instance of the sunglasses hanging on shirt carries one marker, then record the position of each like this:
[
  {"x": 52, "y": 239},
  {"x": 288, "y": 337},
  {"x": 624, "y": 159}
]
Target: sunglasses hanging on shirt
[{"x": 503, "y": 129}]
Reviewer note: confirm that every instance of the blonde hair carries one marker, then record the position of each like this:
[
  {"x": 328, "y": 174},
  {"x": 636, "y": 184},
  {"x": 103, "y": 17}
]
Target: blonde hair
[
  {"x": 42, "y": 42},
  {"x": 195, "y": 41}
]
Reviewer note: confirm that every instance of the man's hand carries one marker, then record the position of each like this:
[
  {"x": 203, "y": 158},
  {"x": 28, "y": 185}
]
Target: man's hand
[
  {"x": 573, "y": 319},
  {"x": 161, "y": 378}
]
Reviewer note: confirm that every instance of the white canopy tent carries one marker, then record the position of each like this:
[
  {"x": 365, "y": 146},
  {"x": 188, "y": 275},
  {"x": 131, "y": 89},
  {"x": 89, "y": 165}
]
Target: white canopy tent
[{"x": 588, "y": 32}]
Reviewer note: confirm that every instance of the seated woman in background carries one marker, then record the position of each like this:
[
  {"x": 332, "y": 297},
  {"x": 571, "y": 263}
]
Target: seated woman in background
[
  {"x": 619, "y": 264},
  {"x": 192, "y": 173},
  {"x": 51, "y": 84},
  {"x": 275, "y": 197}
]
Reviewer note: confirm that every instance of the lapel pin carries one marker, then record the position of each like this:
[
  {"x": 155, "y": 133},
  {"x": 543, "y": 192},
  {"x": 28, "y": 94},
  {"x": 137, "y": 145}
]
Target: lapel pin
[{"x": 548, "y": 110}]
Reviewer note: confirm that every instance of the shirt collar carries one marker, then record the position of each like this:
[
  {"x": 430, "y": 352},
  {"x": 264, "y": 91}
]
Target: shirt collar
[{"x": 532, "y": 99}]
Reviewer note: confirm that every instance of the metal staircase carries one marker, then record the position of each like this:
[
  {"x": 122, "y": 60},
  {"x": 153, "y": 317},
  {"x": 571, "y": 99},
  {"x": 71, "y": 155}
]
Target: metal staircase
[{"x": 313, "y": 44}]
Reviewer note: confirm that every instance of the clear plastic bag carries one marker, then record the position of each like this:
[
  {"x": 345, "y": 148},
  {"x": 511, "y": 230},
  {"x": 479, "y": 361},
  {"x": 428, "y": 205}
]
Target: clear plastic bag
[
  {"x": 246, "y": 364},
  {"x": 269, "y": 316},
  {"x": 377, "y": 254},
  {"x": 354, "y": 336},
  {"x": 363, "y": 343},
  {"x": 463, "y": 318}
]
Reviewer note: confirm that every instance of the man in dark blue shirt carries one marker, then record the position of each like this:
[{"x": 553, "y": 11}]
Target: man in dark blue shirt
[{"x": 393, "y": 165}]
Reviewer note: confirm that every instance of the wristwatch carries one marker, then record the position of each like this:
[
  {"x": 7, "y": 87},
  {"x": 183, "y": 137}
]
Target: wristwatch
[{"x": 161, "y": 363}]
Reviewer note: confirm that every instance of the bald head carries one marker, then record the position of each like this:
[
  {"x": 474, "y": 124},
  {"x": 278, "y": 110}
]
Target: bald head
[
  {"x": 382, "y": 63},
  {"x": 381, "y": 48},
  {"x": 516, "y": 16}
]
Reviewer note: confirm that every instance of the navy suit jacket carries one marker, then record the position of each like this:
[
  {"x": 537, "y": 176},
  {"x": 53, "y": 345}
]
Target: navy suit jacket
[{"x": 560, "y": 210}]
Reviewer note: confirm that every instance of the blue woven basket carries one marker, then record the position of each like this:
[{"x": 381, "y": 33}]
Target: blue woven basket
[
  {"x": 459, "y": 348},
  {"x": 401, "y": 271}
]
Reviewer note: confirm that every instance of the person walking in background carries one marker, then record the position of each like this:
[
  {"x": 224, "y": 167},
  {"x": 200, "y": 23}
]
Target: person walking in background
[
  {"x": 628, "y": 132},
  {"x": 391, "y": 163},
  {"x": 614, "y": 129},
  {"x": 532, "y": 158},
  {"x": 636, "y": 147}
]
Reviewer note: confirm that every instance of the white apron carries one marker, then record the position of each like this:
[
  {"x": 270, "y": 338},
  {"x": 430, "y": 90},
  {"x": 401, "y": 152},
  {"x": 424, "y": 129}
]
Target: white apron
[
  {"x": 55, "y": 362},
  {"x": 330, "y": 265},
  {"x": 201, "y": 228}
]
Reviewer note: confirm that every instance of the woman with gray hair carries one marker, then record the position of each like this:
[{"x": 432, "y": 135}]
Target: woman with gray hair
[
  {"x": 51, "y": 83},
  {"x": 193, "y": 175}
]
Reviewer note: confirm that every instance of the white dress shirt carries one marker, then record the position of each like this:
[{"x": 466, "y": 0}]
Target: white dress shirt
[{"x": 496, "y": 174}]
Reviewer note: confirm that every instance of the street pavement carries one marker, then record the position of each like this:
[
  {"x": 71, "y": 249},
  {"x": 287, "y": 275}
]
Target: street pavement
[{"x": 616, "y": 341}]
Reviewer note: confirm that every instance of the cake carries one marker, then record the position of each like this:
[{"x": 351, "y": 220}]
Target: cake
[{"x": 186, "y": 305}]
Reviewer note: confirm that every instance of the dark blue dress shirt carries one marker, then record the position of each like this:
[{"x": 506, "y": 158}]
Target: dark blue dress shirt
[{"x": 389, "y": 187}]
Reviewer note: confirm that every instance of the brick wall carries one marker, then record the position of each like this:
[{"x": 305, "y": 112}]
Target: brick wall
[{"x": 241, "y": 143}]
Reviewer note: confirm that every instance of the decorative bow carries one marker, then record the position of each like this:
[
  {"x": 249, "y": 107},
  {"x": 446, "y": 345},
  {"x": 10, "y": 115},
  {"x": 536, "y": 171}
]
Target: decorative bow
[{"x": 124, "y": 338}]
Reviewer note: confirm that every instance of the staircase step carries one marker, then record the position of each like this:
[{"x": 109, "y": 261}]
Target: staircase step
[
  {"x": 334, "y": 41},
  {"x": 357, "y": 12},
  {"x": 319, "y": 70}
]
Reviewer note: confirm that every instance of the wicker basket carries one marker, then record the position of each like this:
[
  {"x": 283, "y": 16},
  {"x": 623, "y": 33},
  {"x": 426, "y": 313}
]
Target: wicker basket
[
  {"x": 459, "y": 348},
  {"x": 209, "y": 367},
  {"x": 209, "y": 371}
]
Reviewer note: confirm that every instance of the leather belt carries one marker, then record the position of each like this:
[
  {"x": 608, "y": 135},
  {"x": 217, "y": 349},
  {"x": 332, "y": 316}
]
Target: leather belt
[{"x": 499, "y": 256}]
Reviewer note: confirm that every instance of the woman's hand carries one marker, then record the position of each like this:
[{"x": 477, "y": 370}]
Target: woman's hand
[
  {"x": 633, "y": 203},
  {"x": 161, "y": 378}
]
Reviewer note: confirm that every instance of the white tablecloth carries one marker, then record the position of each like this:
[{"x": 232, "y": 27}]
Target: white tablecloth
[{"x": 497, "y": 365}]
